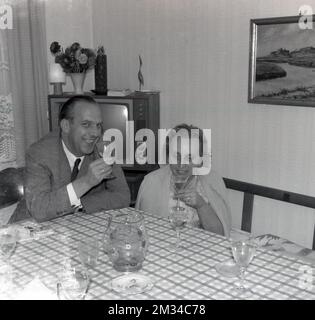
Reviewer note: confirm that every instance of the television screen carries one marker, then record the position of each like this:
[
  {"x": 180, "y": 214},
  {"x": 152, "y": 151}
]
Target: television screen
[{"x": 115, "y": 116}]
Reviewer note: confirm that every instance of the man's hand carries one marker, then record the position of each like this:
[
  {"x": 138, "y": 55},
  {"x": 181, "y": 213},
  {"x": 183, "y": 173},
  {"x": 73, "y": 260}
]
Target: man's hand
[{"x": 97, "y": 171}]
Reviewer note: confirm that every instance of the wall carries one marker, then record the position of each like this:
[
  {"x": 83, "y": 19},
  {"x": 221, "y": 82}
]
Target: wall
[
  {"x": 69, "y": 21},
  {"x": 196, "y": 53}
]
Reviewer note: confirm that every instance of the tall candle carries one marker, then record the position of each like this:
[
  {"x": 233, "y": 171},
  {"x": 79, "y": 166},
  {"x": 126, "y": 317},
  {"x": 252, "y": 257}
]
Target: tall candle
[{"x": 101, "y": 72}]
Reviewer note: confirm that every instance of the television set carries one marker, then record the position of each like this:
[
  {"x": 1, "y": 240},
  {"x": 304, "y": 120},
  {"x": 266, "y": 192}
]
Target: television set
[{"x": 141, "y": 108}]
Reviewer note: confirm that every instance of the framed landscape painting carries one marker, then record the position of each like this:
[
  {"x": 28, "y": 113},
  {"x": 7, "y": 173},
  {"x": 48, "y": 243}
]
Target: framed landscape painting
[{"x": 282, "y": 61}]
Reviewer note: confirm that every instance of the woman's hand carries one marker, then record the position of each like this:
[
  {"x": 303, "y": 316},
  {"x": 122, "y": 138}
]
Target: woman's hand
[{"x": 191, "y": 197}]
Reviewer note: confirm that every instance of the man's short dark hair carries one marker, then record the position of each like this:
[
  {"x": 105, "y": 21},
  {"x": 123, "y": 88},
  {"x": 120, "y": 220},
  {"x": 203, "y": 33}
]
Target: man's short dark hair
[{"x": 66, "y": 111}]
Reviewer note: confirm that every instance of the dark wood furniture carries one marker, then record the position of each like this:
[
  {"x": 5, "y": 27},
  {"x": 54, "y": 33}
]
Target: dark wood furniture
[
  {"x": 250, "y": 190},
  {"x": 144, "y": 110},
  {"x": 11, "y": 186},
  {"x": 12, "y": 192}
]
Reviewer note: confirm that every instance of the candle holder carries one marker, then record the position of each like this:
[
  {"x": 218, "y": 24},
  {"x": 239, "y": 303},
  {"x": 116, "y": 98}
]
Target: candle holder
[
  {"x": 100, "y": 73},
  {"x": 57, "y": 88}
]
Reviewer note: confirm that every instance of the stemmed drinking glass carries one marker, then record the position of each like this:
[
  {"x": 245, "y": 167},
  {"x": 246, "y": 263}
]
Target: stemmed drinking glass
[
  {"x": 102, "y": 149},
  {"x": 179, "y": 185},
  {"x": 88, "y": 252},
  {"x": 5, "y": 280},
  {"x": 8, "y": 240},
  {"x": 243, "y": 252},
  {"x": 73, "y": 284},
  {"x": 178, "y": 215},
  {"x": 178, "y": 218}
]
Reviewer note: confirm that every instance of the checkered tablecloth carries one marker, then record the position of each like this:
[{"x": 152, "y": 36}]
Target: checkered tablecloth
[{"x": 187, "y": 274}]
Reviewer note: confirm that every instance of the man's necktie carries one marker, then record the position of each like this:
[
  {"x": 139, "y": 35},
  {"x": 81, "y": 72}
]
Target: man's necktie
[{"x": 75, "y": 169}]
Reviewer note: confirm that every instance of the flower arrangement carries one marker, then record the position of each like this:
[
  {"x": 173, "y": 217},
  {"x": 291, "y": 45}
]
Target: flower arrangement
[{"x": 74, "y": 59}]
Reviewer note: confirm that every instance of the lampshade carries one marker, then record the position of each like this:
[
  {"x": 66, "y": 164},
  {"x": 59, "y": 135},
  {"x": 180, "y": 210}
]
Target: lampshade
[{"x": 56, "y": 73}]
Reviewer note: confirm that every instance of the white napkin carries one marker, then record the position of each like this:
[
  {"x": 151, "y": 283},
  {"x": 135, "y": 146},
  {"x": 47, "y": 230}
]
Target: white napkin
[
  {"x": 36, "y": 290},
  {"x": 30, "y": 230},
  {"x": 6, "y": 213}
]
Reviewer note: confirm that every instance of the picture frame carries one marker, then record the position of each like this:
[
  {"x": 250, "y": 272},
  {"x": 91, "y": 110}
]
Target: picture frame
[{"x": 282, "y": 61}]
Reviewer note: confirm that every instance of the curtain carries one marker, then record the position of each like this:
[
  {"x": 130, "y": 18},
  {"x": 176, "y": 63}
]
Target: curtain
[
  {"x": 7, "y": 133},
  {"x": 24, "y": 81}
]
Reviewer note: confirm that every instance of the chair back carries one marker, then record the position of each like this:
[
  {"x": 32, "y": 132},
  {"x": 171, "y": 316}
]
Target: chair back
[
  {"x": 11, "y": 186},
  {"x": 250, "y": 190}
]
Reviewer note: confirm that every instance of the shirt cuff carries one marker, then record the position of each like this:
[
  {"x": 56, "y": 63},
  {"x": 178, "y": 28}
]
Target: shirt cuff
[{"x": 74, "y": 200}]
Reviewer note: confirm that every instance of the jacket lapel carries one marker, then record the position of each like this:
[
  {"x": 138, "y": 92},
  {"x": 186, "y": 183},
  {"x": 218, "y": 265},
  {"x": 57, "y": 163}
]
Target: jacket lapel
[{"x": 64, "y": 167}]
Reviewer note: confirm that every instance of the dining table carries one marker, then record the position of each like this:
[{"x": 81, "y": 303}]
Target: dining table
[{"x": 186, "y": 274}]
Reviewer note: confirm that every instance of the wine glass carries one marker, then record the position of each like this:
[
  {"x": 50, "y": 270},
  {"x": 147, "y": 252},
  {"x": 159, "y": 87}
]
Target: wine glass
[
  {"x": 178, "y": 215},
  {"x": 178, "y": 218},
  {"x": 243, "y": 252},
  {"x": 5, "y": 280},
  {"x": 73, "y": 284},
  {"x": 179, "y": 183},
  {"x": 88, "y": 252},
  {"x": 103, "y": 152},
  {"x": 8, "y": 239}
]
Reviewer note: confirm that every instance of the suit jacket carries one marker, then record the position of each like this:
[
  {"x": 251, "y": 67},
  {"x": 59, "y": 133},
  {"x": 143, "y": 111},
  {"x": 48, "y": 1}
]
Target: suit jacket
[
  {"x": 48, "y": 173},
  {"x": 154, "y": 193}
]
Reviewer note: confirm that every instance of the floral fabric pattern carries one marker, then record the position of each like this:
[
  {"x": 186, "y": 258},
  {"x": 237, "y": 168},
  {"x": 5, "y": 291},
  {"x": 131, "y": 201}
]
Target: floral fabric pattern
[{"x": 275, "y": 243}]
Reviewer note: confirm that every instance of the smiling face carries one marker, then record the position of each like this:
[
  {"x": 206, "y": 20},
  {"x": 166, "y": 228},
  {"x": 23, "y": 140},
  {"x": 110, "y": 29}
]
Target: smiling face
[{"x": 83, "y": 130}]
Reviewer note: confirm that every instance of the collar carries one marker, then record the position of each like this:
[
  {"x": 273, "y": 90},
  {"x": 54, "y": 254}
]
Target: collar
[{"x": 70, "y": 156}]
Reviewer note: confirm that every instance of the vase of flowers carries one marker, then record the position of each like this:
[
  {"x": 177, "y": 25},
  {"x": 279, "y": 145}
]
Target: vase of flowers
[
  {"x": 78, "y": 81},
  {"x": 75, "y": 61}
]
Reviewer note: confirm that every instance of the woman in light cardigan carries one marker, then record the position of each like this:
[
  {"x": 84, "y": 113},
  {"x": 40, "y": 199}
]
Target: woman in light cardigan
[{"x": 204, "y": 196}]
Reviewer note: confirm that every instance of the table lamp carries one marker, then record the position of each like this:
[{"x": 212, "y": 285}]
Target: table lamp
[{"x": 57, "y": 77}]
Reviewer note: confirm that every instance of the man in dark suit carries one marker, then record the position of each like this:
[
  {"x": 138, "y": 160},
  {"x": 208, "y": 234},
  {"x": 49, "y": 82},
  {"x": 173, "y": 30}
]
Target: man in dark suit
[{"x": 64, "y": 172}]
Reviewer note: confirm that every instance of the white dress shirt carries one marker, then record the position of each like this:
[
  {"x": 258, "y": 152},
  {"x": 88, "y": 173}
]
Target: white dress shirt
[{"x": 74, "y": 200}]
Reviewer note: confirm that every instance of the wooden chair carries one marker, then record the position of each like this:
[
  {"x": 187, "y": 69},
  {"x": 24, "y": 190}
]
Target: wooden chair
[
  {"x": 11, "y": 186},
  {"x": 250, "y": 190},
  {"x": 11, "y": 192}
]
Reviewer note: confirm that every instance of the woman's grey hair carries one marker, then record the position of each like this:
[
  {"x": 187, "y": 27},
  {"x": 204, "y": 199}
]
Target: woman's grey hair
[{"x": 190, "y": 129}]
